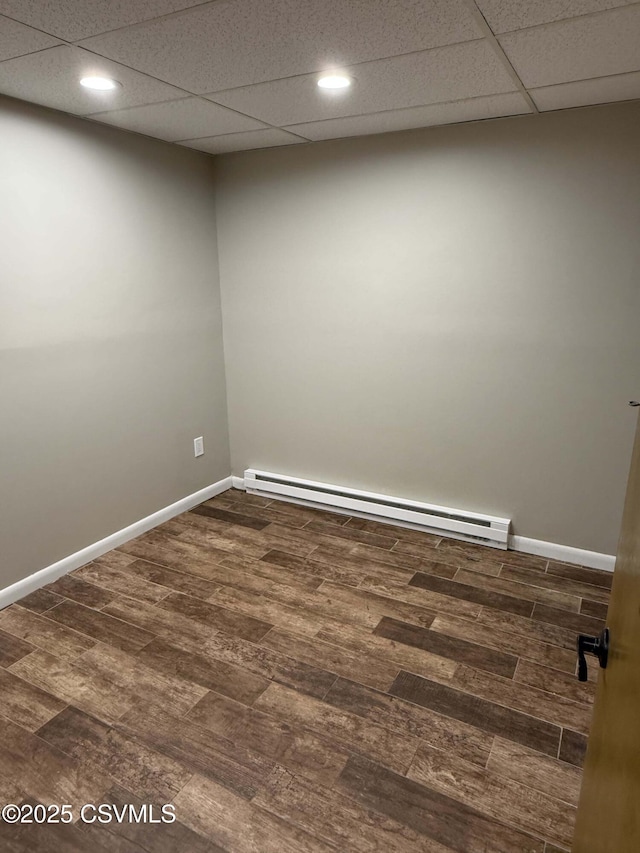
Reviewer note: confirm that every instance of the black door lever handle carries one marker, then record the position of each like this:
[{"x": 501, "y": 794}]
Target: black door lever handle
[{"x": 598, "y": 646}]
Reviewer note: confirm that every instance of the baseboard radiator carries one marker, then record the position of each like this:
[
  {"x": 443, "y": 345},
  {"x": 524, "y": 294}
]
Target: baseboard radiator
[{"x": 457, "y": 523}]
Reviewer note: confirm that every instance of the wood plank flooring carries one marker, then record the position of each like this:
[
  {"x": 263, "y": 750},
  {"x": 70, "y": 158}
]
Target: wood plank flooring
[{"x": 297, "y": 681}]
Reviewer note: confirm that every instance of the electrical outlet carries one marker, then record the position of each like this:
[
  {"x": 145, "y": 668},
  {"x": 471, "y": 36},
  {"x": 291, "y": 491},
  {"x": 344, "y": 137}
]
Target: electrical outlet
[{"x": 198, "y": 446}]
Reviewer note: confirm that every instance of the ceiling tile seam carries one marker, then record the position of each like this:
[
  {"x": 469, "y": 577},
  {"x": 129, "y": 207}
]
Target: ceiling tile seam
[
  {"x": 130, "y": 68},
  {"x": 267, "y": 125},
  {"x": 116, "y": 129},
  {"x": 188, "y": 96},
  {"x": 240, "y": 133},
  {"x": 299, "y": 135},
  {"x": 498, "y": 50},
  {"x": 348, "y": 66},
  {"x": 404, "y": 109},
  {"x": 187, "y": 93},
  {"x": 115, "y": 29},
  {"x": 177, "y": 13},
  {"x": 93, "y": 121},
  {"x": 37, "y": 29},
  {"x": 238, "y": 150},
  {"x": 590, "y": 106},
  {"x": 427, "y": 126},
  {"x": 31, "y": 52},
  {"x": 395, "y": 109},
  {"x": 140, "y": 106},
  {"x": 587, "y": 80},
  {"x": 345, "y": 66},
  {"x": 595, "y": 14},
  {"x": 186, "y": 11},
  {"x": 207, "y": 95},
  {"x": 199, "y": 98},
  {"x": 121, "y": 64},
  {"x": 179, "y": 88}
]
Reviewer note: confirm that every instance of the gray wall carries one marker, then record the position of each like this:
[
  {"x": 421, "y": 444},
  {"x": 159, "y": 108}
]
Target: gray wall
[
  {"x": 450, "y": 315},
  {"x": 110, "y": 337}
]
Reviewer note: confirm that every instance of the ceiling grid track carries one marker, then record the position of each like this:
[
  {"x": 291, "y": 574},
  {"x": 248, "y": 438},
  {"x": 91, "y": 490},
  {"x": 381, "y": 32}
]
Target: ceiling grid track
[
  {"x": 229, "y": 75},
  {"x": 502, "y": 56}
]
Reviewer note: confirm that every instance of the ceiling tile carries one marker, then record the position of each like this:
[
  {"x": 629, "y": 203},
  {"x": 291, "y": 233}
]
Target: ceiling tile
[
  {"x": 77, "y": 19},
  {"x": 443, "y": 74},
  {"x": 51, "y": 77},
  {"x": 601, "y": 90},
  {"x": 505, "y": 15},
  {"x": 16, "y": 39},
  {"x": 235, "y": 43},
  {"x": 471, "y": 110},
  {"x": 244, "y": 141},
  {"x": 186, "y": 119},
  {"x": 594, "y": 46}
]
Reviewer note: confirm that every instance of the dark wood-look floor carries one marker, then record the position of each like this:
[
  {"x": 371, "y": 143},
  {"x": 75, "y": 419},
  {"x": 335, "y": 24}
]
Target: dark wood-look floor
[{"x": 297, "y": 681}]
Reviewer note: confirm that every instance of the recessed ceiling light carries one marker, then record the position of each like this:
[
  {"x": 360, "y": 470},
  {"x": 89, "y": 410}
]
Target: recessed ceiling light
[
  {"x": 102, "y": 84},
  {"x": 334, "y": 81}
]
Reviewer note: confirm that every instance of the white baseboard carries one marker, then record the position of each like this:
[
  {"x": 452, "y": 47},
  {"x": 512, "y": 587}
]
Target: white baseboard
[
  {"x": 550, "y": 550},
  {"x": 74, "y": 561},
  {"x": 564, "y": 553},
  {"x": 23, "y": 587}
]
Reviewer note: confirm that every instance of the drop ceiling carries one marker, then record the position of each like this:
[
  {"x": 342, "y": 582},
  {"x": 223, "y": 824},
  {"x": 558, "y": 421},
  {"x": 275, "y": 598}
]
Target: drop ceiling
[{"x": 232, "y": 75}]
